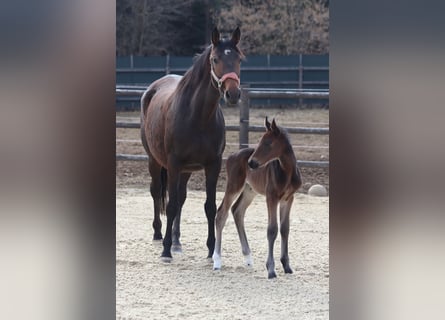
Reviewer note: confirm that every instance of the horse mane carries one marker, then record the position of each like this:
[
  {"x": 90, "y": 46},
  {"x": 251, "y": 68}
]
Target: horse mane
[
  {"x": 201, "y": 67},
  {"x": 198, "y": 71}
]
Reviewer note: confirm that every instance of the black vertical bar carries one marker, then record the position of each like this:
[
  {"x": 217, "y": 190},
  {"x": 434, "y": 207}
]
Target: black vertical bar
[{"x": 244, "y": 118}]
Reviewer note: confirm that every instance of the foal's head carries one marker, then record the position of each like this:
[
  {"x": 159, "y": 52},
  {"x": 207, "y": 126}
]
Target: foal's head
[
  {"x": 272, "y": 145},
  {"x": 225, "y": 60}
]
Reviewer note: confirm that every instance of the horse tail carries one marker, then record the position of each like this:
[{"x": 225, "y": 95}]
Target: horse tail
[
  {"x": 145, "y": 100},
  {"x": 163, "y": 190}
]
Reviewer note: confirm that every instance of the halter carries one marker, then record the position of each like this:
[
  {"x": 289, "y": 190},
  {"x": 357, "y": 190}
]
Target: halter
[{"x": 220, "y": 81}]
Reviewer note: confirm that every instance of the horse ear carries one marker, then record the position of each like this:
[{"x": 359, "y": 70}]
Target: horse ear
[
  {"x": 274, "y": 126},
  {"x": 236, "y": 35},
  {"x": 267, "y": 124},
  {"x": 215, "y": 36}
]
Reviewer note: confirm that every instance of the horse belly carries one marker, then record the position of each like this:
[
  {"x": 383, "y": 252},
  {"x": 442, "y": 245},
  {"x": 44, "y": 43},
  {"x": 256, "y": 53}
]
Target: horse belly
[{"x": 257, "y": 180}]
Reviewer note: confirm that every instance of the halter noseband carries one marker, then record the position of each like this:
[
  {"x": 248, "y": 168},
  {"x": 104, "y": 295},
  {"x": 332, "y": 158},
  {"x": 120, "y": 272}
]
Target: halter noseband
[{"x": 220, "y": 81}]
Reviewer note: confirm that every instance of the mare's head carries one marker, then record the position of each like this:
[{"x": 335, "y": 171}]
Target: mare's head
[
  {"x": 272, "y": 145},
  {"x": 225, "y": 60}
]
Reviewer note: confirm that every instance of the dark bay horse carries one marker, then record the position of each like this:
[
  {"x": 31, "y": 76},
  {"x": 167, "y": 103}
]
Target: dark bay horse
[
  {"x": 270, "y": 170},
  {"x": 183, "y": 130}
]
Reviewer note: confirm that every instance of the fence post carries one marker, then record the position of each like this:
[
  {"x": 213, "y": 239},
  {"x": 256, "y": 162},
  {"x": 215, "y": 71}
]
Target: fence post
[
  {"x": 244, "y": 118},
  {"x": 167, "y": 63},
  {"x": 300, "y": 77}
]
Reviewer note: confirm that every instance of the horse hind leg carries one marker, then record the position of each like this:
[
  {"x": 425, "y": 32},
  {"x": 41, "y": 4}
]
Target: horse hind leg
[
  {"x": 156, "y": 190},
  {"x": 182, "y": 195},
  {"x": 285, "y": 207},
  {"x": 239, "y": 211}
]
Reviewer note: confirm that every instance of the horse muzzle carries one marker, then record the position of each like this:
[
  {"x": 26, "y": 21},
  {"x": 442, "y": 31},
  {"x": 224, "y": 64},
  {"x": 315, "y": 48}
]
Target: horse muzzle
[
  {"x": 253, "y": 164},
  {"x": 232, "y": 95},
  {"x": 232, "y": 91}
]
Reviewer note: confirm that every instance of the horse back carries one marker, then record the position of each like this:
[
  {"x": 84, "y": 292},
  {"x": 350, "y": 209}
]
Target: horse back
[{"x": 154, "y": 107}]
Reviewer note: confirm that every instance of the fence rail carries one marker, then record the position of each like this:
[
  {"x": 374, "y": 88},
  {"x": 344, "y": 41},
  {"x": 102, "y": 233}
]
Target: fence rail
[
  {"x": 244, "y": 128},
  {"x": 302, "y": 130},
  {"x": 142, "y": 157},
  {"x": 298, "y": 71}
]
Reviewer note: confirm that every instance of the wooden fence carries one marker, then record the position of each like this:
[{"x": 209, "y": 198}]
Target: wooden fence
[{"x": 244, "y": 128}]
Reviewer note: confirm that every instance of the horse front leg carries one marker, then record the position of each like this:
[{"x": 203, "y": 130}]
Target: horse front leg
[
  {"x": 172, "y": 212},
  {"x": 239, "y": 211},
  {"x": 232, "y": 191},
  {"x": 211, "y": 173},
  {"x": 285, "y": 207},
  {"x": 272, "y": 231}
]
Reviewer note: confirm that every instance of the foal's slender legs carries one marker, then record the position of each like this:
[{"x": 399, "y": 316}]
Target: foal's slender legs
[
  {"x": 220, "y": 221},
  {"x": 182, "y": 194},
  {"x": 239, "y": 211},
  {"x": 272, "y": 231},
  {"x": 156, "y": 193},
  {"x": 285, "y": 206}
]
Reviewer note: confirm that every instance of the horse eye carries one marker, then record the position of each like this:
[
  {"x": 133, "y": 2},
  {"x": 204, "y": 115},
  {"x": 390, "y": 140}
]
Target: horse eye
[{"x": 215, "y": 60}]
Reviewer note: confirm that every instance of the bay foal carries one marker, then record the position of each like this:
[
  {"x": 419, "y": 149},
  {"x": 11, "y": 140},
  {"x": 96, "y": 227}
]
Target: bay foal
[{"x": 270, "y": 170}]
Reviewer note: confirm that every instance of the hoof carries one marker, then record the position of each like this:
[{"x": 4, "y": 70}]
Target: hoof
[
  {"x": 216, "y": 262},
  {"x": 216, "y": 269},
  {"x": 157, "y": 236},
  {"x": 288, "y": 270},
  {"x": 272, "y": 275},
  {"x": 166, "y": 259},
  {"x": 166, "y": 256},
  {"x": 248, "y": 261},
  {"x": 177, "y": 248}
]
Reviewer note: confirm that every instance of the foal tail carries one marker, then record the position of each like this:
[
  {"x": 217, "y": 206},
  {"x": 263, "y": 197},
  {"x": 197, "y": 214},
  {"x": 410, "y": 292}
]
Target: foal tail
[{"x": 163, "y": 190}]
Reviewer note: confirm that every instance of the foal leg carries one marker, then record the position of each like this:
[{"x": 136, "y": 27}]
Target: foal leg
[
  {"x": 156, "y": 193},
  {"x": 211, "y": 173},
  {"x": 236, "y": 176},
  {"x": 176, "y": 246},
  {"x": 285, "y": 206},
  {"x": 239, "y": 211},
  {"x": 221, "y": 218},
  {"x": 272, "y": 231}
]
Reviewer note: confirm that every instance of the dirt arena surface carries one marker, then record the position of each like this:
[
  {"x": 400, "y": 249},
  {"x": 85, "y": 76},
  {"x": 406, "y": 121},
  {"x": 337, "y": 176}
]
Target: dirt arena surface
[{"x": 188, "y": 288}]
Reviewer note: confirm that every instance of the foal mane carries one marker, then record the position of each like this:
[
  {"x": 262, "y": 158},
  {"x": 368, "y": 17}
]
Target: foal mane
[{"x": 285, "y": 134}]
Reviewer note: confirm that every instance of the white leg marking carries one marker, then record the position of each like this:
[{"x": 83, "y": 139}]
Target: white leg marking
[
  {"x": 216, "y": 261},
  {"x": 249, "y": 260}
]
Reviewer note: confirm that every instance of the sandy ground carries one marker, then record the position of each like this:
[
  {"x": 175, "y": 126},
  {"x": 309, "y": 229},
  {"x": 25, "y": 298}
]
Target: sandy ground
[{"x": 188, "y": 288}]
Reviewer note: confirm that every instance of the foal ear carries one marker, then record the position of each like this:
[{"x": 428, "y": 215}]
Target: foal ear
[
  {"x": 274, "y": 126},
  {"x": 267, "y": 124},
  {"x": 236, "y": 35},
  {"x": 215, "y": 36}
]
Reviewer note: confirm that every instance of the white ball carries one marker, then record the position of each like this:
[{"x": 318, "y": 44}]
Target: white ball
[{"x": 317, "y": 190}]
